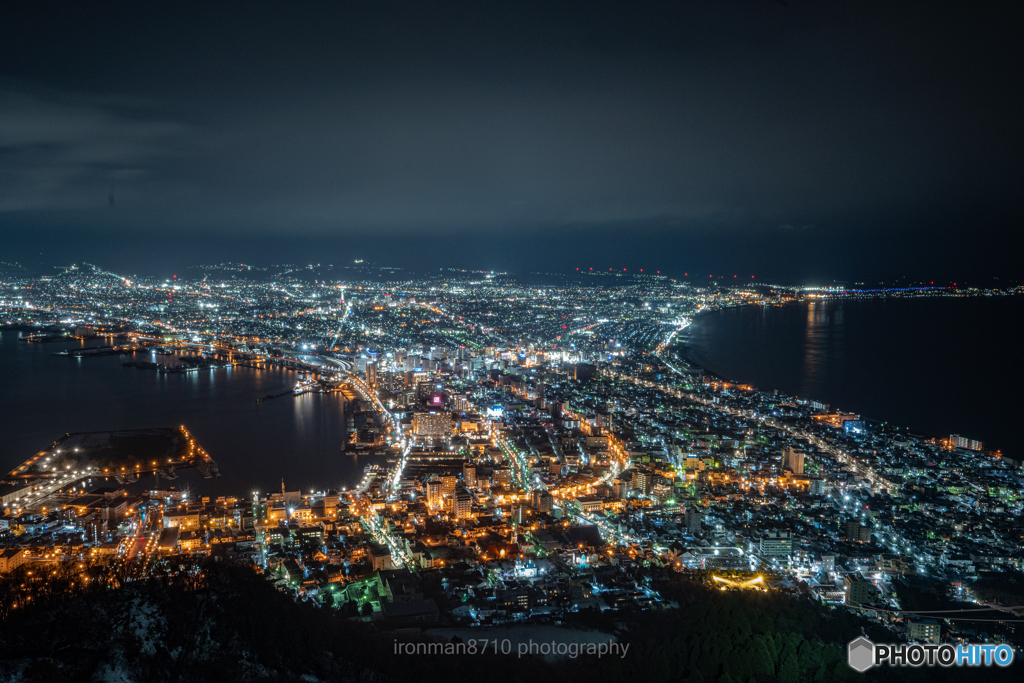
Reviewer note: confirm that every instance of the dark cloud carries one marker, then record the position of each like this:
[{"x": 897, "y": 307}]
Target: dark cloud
[
  {"x": 687, "y": 125},
  {"x": 61, "y": 151}
]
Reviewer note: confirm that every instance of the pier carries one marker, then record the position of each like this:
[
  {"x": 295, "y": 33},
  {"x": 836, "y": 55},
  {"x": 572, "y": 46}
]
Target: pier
[{"x": 124, "y": 456}]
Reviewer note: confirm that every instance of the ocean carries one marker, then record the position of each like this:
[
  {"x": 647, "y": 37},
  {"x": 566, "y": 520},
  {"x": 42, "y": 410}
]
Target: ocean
[{"x": 936, "y": 365}]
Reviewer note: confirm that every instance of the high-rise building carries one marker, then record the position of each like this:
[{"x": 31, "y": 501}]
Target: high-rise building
[
  {"x": 502, "y": 476},
  {"x": 858, "y": 591},
  {"x": 425, "y": 387},
  {"x": 857, "y": 532},
  {"x": 469, "y": 474},
  {"x": 694, "y": 518},
  {"x": 371, "y": 375},
  {"x": 793, "y": 460},
  {"x": 543, "y": 501},
  {"x": 386, "y": 381},
  {"x": 435, "y": 495},
  {"x": 448, "y": 484},
  {"x": 432, "y": 424},
  {"x": 662, "y": 493},
  {"x": 462, "y": 505},
  {"x": 643, "y": 481}
]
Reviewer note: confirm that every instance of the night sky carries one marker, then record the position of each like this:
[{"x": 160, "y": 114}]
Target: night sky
[{"x": 799, "y": 141}]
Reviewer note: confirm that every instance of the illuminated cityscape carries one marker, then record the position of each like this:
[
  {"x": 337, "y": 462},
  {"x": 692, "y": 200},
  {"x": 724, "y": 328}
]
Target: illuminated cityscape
[
  {"x": 548, "y": 439},
  {"x": 668, "y": 342}
]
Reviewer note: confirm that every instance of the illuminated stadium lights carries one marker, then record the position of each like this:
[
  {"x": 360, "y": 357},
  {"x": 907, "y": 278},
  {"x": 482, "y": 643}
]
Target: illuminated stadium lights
[{"x": 755, "y": 583}]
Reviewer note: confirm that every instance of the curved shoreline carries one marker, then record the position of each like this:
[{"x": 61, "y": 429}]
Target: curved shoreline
[{"x": 932, "y": 404}]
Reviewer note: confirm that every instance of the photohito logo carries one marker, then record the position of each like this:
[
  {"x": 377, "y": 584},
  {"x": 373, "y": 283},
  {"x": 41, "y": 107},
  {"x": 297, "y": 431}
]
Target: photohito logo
[{"x": 862, "y": 654}]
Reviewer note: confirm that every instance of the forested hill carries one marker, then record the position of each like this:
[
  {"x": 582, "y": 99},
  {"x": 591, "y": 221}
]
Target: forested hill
[{"x": 224, "y": 623}]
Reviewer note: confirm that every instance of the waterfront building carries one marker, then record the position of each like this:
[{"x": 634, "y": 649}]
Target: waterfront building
[{"x": 957, "y": 441}]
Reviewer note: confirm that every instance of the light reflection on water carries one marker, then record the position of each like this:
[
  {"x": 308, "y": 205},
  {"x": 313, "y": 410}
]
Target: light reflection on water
[
  {"x": 255, "y": 444},
  {"x": 936, "y": 365},
  {"x": 822, "y": 344}
]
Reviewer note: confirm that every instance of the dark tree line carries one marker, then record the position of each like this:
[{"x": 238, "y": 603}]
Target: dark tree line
[{"x": 213, "y": 621}]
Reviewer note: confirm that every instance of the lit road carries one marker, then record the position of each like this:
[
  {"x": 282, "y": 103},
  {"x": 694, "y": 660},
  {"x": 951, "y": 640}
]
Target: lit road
[
  {"x": 392, "y": 484},
  {"x": 398, "y": 557},
  {"x": 37, "y": 498},
  {"x": 520, "y": 466},
  {"x": 606, "y": 529}
]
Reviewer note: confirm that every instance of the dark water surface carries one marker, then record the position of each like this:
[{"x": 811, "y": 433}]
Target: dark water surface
[
  {"x": 42, "y": 396},
  {"x": 935, "y": 365}
]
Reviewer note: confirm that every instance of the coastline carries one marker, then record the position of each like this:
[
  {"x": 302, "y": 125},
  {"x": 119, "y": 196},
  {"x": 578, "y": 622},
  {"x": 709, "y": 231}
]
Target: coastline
[
  {"x": 855, "y": 351},
  {"x": 218, "y": 406}
]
